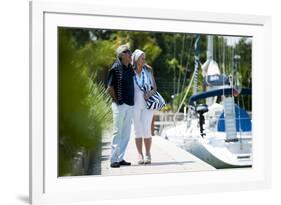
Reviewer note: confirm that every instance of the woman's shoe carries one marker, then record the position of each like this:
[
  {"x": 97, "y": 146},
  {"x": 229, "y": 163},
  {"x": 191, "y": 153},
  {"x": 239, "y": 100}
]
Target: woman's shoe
[
  {"x": 140, "y": 159},
  {"x": 147, "y": 159}
]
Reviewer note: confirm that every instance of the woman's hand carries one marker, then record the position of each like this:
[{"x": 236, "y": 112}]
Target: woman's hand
[
  {"x": 153, "y": 91},
  {"x": 148, "y": 94}
]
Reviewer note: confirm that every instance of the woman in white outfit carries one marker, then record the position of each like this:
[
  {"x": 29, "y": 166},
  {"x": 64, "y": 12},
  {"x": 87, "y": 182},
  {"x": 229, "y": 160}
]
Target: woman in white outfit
[{"x": 142, "y": 117}]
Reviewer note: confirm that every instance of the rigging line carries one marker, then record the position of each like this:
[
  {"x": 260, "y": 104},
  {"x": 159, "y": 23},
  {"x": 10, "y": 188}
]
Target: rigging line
[
  {"x": 223, "y": 70},
  {"x": 188, "y": 51},
  {"x": 214, "y": 50},
  {"x": 223, "y": 57},
  {"x": 194, "y": 76},
  {"x": 174, "y": 69},
  {"x": 179, "y": 78},
  {"x": 196, "y": 63},
  {"x": 183, "y": 44},
  {"x": 237, "y": 68},
  {"x": 235, "y": 86},
  {"x": 185, "y": 95},
  {"x": 219, "y": 52},
  {"x": 239, "y": 122}
]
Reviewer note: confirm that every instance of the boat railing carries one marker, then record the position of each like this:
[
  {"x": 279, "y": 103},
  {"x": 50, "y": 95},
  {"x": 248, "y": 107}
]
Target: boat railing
[
  {"x": 168, "y": 119},
  {"x": 164, "y": 119}
]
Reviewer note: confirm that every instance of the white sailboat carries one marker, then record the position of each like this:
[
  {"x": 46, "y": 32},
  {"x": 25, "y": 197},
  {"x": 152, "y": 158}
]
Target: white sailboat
[{"x": 218, "y": 131}]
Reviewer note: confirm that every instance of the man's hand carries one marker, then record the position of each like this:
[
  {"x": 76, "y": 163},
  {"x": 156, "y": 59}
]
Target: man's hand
[{"x": 111, "y": 91}]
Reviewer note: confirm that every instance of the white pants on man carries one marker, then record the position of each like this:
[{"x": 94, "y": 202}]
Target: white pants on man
[{"x": 122, "y": 121}]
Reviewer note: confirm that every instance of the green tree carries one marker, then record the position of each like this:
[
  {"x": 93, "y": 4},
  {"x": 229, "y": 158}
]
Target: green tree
[{"x": 83, "y": 107}]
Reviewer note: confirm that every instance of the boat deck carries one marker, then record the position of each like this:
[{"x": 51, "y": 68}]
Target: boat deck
[{"x": 166, "y": 158}]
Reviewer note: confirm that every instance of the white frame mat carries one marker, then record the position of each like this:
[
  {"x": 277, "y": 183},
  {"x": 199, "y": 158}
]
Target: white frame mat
[{"x": 46, "y": 187}]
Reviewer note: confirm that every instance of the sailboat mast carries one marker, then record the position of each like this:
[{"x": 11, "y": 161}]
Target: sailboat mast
[{"x": 210, "y": 47}]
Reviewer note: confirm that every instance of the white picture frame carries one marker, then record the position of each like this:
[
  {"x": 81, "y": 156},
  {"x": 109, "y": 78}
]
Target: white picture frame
[{"x": 46, "y": 187}]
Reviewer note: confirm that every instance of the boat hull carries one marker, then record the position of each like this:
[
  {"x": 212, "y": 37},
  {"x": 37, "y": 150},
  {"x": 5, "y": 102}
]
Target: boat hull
[
  {"x": 206, "y": 153},
  {"x": 213, "y": 149}
]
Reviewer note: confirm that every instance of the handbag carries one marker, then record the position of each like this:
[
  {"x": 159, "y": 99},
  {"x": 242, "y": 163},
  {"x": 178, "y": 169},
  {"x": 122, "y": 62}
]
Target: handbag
[{"x": 155, "y": 102}]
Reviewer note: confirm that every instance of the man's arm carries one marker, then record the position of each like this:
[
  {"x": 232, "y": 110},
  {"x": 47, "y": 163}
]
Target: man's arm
[
  {"x": 111, "y": 91},
  {"x": 110, "y": 85}
]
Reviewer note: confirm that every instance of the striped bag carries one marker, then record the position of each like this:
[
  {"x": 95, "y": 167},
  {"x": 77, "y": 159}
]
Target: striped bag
[{"x": 155, "y": 102}]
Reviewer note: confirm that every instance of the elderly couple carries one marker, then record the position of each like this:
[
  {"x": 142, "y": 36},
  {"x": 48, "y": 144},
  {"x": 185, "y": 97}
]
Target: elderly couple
[{"x": 127, "y": 78}]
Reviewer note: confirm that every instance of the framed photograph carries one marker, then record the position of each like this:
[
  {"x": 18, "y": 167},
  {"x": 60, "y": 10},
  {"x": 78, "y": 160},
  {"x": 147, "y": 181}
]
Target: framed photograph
[{"x": 130, "y": 102}]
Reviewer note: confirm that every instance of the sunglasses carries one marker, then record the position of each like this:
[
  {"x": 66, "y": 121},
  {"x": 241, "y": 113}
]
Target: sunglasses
[{"x": 127, "y": 51}]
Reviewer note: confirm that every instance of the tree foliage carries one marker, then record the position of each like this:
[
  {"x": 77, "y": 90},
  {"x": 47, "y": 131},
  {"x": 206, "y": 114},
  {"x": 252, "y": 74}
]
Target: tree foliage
[{"x": 83, "y": 104}]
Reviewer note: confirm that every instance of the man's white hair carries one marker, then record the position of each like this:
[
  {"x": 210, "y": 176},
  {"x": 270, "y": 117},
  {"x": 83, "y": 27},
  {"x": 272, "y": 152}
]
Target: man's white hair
[{"x": 121, "y": 49}]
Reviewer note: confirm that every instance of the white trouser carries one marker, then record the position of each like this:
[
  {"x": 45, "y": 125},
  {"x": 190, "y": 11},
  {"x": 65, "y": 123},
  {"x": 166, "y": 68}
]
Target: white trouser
[
  {"x": 122, "y": 121},
  {"x": 142, "y": 122}
]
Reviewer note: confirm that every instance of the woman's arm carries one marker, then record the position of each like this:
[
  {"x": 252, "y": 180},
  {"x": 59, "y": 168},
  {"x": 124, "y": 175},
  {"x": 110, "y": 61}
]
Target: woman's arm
[
  {"x": 153, "y": 83},
  {"x": 154, "y": 90},
  {"x": 150, "y": 70}
]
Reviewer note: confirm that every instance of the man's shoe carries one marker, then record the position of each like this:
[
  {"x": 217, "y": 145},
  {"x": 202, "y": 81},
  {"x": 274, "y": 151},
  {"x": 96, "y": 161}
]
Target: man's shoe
[
  {"x": 124, "y": 163},
  {"x": 115, "y": 165}
]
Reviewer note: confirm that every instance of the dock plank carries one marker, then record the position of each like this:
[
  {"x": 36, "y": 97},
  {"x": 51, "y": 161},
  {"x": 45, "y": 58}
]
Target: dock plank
[{"x": 166, "y": 158}]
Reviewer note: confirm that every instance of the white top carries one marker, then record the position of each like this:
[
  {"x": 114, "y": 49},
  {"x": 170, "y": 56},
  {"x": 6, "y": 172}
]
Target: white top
[{"x": 142, "y": 80}]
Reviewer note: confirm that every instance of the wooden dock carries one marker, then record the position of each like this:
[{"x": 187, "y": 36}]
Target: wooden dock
[{"x": 166, "y": 158}]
